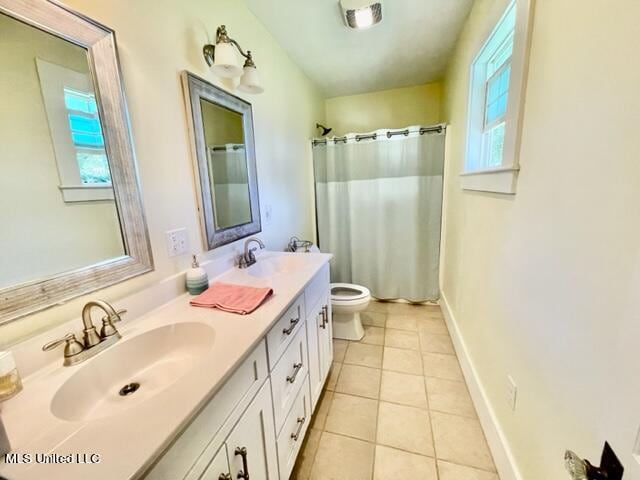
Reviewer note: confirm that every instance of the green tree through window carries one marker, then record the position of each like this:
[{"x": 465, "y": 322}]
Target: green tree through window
[{"x": 86, "y": 134}]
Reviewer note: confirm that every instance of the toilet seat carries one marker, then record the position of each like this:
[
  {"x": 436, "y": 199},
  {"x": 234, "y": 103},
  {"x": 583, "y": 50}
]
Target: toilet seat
[{"x": 348, "y": 293}]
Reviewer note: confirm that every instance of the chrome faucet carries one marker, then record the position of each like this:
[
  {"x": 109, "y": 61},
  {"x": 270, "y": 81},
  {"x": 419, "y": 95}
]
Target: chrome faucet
[
  {"x": 92, "y": 342},
  {"x": 248, "y": 258}
]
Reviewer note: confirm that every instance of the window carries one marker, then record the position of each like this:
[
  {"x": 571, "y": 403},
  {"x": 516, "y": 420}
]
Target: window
[
  {"x": 86, "y": 134},
  {"x": 494, "y": 104}
]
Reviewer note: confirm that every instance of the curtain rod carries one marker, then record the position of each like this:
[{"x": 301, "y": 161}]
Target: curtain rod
[{"x": 390, "y": 133}]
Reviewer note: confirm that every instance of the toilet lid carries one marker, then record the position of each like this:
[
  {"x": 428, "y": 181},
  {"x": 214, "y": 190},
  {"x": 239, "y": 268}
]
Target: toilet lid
[{"x": 348, "y": 291}]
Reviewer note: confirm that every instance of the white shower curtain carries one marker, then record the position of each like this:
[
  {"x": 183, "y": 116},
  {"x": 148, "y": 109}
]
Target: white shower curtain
[{"x": 379, "y": 205}]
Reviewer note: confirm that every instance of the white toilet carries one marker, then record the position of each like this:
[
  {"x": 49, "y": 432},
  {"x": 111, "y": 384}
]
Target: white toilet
[{"x": 347, "y": 301}]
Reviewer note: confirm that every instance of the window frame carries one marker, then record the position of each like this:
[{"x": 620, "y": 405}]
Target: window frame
[
  {"x": 54, "y": 80},
  {"x": 502, "y": 178}
]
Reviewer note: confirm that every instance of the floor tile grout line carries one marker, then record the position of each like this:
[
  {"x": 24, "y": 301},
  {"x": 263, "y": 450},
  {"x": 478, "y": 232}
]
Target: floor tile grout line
[
  {"x": 392, "y": 447},
  {"x": 324, "y": 424},
  {"x": 472, "y": 467},
  {"x": 373, "y": 466},
  {"x": 315, "y": 453},
  {"x": 433, "y": 437}
]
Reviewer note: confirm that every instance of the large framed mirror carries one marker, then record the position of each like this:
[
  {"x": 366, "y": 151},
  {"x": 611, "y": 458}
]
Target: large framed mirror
[
  {"x": 71, "y": 214},
  {"x": 221, "y": 125}
]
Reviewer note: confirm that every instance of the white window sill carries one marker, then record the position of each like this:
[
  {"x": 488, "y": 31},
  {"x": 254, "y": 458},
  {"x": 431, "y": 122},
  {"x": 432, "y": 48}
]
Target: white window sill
[
  {"x": 496, "y": 180},
  {"x": 86, "y": 193}
]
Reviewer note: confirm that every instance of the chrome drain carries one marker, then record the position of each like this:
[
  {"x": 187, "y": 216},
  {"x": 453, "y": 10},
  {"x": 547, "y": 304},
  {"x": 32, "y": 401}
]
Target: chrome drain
[{"x": 129, "y": 388}]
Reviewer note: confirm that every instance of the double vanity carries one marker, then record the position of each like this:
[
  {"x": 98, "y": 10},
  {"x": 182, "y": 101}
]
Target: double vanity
[
  {"x": 172, "y": 391},
  {"x": 188, "y": 393}
]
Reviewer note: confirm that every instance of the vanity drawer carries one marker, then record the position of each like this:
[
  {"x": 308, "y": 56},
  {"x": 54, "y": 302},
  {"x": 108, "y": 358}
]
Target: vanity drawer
[
  {"x": 224, "y": 408},
  {"x": 293, "y": 431},
  {"x": 284, "y": 330},
  {"x": 316, "y": 289},
  {"x": 289, "y": 375}
]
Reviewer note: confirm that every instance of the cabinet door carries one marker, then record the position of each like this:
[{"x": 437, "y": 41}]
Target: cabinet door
[
  {"x": 320, "y": 347},
  {"x": 251, "y": 445},
  {"x": 316, "y": 377},
  {"x": 218, "y": 469}
]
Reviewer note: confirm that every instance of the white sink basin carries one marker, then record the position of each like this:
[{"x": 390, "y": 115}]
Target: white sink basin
[
  {"x": 269, "y": 266},
  {"x": 154, "y": 360}
]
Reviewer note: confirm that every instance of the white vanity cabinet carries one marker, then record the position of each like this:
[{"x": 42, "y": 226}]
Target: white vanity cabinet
[{"x": 258, "y": 419}]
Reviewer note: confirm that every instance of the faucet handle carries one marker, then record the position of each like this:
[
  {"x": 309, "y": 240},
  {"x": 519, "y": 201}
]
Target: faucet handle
[
  {"x": 108, "y": 329},
  {"x": 242, "y": 262},
  {"x": 72, "y": 347},
  {"x": 114, "y": 318}
]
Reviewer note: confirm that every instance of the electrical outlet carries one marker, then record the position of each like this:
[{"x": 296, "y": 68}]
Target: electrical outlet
[
  {"x": 177, "y": 242},
  {"x": 268, "y": 214},
  {"x": 512, "y": 393}
]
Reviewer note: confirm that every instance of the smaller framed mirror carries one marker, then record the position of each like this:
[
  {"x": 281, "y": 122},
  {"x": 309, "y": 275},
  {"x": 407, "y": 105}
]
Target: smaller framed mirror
[{"x": 221, "y": 125}]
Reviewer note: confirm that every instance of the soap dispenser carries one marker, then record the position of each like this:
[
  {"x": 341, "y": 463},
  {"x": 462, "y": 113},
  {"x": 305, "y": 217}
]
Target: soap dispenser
[
  {"x": 10, "y": 385},
  {"x": 197, "y": 279}
]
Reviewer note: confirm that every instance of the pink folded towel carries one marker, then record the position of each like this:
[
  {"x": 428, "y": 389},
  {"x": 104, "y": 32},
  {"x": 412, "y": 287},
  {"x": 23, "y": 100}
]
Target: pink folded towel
[{"x": 232, "y": 298}]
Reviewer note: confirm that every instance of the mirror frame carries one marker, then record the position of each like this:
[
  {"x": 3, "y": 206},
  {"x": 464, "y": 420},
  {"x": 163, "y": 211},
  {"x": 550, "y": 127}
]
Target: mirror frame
[
  {"x": 196, "y": 88},
  {"x": 29, "y": 297}
]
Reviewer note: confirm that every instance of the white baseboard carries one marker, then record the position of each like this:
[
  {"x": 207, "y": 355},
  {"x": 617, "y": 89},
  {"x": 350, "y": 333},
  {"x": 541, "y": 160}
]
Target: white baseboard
[{"x": 502, "y": 455}]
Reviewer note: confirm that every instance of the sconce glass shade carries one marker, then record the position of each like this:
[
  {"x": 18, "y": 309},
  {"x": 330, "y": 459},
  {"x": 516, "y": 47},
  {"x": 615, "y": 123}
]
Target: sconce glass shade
[
  {"x": 250, "y": 81},
  {"x": 226, "y": 61}
]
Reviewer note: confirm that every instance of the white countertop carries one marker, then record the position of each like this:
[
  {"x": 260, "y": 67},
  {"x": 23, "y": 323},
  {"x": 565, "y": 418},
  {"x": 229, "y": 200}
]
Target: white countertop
[{"x": 129, "y": 441}]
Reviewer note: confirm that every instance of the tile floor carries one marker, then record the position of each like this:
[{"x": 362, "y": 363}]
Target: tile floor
[{"x": 396, "y": 406}]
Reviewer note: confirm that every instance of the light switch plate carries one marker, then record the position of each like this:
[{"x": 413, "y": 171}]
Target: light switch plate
[
  {"x": 177, "y": 242},
  {"x": 268, "y": 214}
]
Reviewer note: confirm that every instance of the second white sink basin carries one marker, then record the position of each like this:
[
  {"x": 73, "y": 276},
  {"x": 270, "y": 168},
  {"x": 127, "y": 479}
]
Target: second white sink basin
[
  {"x": 270, "y": 265},
  {"x": 132, "y": 371}
]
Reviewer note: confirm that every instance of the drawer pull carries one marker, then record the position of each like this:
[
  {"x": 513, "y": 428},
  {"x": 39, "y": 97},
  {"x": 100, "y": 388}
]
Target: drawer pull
[
  {"x": 296, "y": 368},
  {"x": 294, "y": 322},
  {"x": 301, "y": 421},
  {"x": 323, "y": 322},
  {"x": 244, "y": 473},
  {"x": 325, "y": 314}
]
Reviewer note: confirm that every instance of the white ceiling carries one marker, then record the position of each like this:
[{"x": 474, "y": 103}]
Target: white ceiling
[{"x": 410, "y": 47}]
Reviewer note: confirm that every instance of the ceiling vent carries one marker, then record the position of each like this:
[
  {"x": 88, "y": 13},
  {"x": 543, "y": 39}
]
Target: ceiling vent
[{"x": 361, "y": 13}]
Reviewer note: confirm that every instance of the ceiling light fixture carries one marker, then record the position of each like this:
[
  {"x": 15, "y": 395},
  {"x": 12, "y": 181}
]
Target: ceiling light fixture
[
  {"x": 223, "y": 61},
  {"x": 361, "y": 14}
]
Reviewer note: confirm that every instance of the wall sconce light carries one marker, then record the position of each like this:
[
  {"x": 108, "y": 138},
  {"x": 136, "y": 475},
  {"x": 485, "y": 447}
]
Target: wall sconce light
[{"x": 223, "y": 61}]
